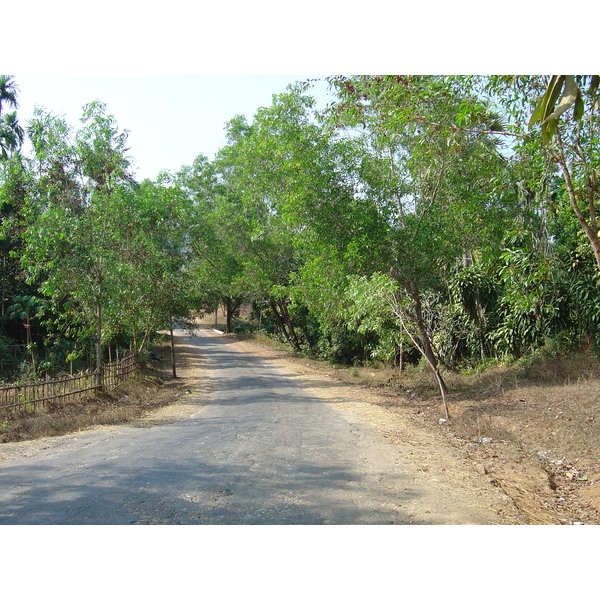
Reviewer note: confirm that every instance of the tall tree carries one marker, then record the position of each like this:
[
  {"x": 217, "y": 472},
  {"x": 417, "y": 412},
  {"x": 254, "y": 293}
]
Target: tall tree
[
  {"x": 431, "y": 168},
  {"x": 72, "y": 246},
  {"x": 263, "y": 255},
  {"x": 14, "y": 181},
  {"x": 11, "y": 133},
  {"x": 555, "y": 119},
  {"x": 574, "y": 144}
]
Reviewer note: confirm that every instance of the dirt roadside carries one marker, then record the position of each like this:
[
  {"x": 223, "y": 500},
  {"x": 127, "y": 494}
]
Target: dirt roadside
[{"x": 509, "y": 441}]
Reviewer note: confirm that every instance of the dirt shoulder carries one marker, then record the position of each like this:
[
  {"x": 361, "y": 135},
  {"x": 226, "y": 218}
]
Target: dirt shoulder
[
  {"x": 151, "y": 399},
  {"x": 534, "y": 442}
]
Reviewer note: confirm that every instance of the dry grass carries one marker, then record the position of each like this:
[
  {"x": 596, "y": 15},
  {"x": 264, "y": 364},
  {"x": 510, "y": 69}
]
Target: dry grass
[
  {"x": 535, "y": 428},
  {"x": 149, "y": 390}
]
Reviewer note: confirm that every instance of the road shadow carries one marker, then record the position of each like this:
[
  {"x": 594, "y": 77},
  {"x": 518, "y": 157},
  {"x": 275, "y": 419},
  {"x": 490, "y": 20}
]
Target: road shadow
[{"x": 193, "y": 491}]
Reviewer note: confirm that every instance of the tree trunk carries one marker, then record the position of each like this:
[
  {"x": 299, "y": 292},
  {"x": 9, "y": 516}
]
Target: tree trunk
[
  {"x": 30, "y": 346},
  {"x": 98, "y": 346},
  {"x": 590, "y": 228},
  {"x": 282, "y": 325},
  {"x": 279, "y": 320},
  {"x": 172, "y": 349},
  {"x": 399, "y": 358},
  {"x": 230, "y": 307},
  {"x": 425, "y": 346},
  {"x": 229, "y": 319},
  {"x": 286, "y": 317}
]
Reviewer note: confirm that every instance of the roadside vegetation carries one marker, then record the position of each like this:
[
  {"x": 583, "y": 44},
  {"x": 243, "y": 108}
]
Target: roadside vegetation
[
  {"x": 446, "y": 224},
  {"x": 152, "y": 387}
]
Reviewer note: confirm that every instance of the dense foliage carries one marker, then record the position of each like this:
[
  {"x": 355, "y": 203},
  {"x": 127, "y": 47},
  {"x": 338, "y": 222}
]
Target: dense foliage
[{"x": 448, "y": 220}]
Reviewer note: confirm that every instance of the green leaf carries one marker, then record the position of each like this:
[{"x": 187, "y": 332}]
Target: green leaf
[
  {"x": 548, "y": 130},
  {"x": 548, "y": 100},
  {"x": 538, "y": 112},
  {"x": 569, "y": 97},
  {"x": 554, "y": 90},
  {"x": 578, "y": 108}
]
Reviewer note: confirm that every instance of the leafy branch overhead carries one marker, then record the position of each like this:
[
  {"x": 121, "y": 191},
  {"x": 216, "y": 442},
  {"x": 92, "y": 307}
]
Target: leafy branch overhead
[{"x": 562, "y": 93}]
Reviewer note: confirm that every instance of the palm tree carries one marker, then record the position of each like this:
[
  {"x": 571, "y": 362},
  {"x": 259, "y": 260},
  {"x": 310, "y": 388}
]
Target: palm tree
[
  {"x": 11, "y": 133},
  {"x": 8, "y": 91}
]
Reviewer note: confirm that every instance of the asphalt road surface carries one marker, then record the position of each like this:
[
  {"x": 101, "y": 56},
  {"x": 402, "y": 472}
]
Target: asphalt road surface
[{"x": 262, "y": 451}]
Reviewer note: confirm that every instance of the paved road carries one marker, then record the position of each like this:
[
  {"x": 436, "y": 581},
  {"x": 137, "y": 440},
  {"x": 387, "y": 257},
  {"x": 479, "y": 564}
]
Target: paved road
[{"x": 263, "y": 451}]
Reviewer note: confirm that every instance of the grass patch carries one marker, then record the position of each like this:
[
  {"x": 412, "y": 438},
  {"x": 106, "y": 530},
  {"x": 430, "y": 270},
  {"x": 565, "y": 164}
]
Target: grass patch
[{"x": 131, "y": 400}]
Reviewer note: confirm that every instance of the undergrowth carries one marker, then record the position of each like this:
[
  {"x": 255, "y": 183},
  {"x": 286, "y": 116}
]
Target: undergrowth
[{"x": 131, "y": 400}]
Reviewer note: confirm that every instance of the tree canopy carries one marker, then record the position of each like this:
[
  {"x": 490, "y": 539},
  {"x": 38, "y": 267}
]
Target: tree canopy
[{"x": 448, "y": 220}]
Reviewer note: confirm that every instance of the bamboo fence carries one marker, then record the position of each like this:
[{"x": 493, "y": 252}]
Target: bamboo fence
[{"x": 27, "y": 396}]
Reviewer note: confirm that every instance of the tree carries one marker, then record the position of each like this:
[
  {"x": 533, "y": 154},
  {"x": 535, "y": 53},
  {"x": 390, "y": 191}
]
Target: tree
[
  {"x": 260, "y": 244},
  {"x": 156, "y": 256},
  {"x": 292, "y": 182},
  {"x": 14, "y": 182},
  {"x": 11, "y": 133},
  {"x": 72, "y": 243},
  {"x": 431, "y": 167},
  {"x": 213, "y": 226},
  {"x": 569, "y": 146},
  {"x": 574, "y": 144}
]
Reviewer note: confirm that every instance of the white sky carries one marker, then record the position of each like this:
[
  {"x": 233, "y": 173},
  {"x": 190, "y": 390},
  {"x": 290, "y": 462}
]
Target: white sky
[
  {"x": 170, "y": 118},
  {"x": 173, "y": 74}
]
